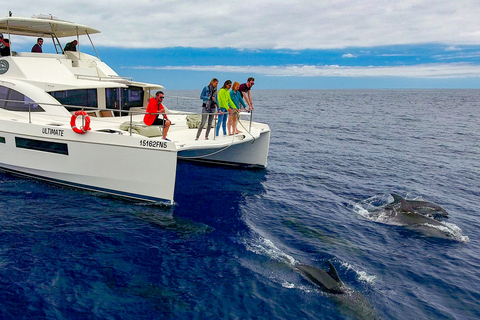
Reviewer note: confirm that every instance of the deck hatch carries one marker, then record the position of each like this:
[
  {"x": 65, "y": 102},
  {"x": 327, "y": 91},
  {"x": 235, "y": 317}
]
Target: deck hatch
[{"x": 39, "y": 145}]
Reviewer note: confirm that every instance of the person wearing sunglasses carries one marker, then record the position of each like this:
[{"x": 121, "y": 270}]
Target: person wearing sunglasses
[
  {"x": 38, "y": 46},
  {"x": 154, "y": 109}
]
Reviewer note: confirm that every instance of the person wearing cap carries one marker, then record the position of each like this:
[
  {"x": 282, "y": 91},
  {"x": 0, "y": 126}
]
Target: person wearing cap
[
  {"x": 4, "y": 46},
  {"x": 38, "y": 46},
  {"x": 71, "y": 46}
]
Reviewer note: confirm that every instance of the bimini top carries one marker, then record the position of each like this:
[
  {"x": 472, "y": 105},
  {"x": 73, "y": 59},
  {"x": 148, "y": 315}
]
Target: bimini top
[{"x": 43, "y": 27}]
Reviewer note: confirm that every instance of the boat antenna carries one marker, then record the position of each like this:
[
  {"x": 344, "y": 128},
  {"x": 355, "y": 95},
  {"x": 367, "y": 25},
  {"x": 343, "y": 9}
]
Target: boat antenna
[{"x": 9, "y": 13}]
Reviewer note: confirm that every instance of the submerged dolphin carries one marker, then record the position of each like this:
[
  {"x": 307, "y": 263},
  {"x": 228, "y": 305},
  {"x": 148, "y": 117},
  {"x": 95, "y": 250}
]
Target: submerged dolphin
[
  {"x": 348, "y": 301},
  {"x": 412, "y": 214}
]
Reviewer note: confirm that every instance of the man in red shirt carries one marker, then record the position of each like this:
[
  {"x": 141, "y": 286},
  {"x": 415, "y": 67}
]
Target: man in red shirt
[{"x": 154, "y": 109}]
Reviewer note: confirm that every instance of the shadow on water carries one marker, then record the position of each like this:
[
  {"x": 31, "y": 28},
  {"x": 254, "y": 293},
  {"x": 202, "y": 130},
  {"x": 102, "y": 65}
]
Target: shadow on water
[{"x": 213, "y": 194}]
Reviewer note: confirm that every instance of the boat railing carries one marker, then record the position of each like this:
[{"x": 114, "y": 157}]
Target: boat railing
[
  {"x": 108, "y": 78},
  {"x": 123, "y": 113}
]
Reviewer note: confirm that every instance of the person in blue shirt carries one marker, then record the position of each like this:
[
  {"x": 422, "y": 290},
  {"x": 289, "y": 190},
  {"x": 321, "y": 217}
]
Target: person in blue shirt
[
  {"x": 236, "y": 96},
  {"x": 209, "y": 97}
]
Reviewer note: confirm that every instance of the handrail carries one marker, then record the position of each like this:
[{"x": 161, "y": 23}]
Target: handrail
[{"x": 123, "y": 113}]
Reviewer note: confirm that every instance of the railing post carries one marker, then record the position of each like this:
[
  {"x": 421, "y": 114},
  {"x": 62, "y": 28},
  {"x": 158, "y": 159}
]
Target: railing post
[
  {"x": 215, "y": 127},
  {"x": 131, "y": 122},
  {"x": 29, "y": 112},
  {"x": 251, "y": 116}
]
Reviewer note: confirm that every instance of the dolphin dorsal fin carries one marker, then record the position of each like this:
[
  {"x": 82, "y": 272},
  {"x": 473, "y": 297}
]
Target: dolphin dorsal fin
[
  {"x": 396, "y": 198},
  {"x": 404, "y": 206},
  {"x": 332, "y": 272}
]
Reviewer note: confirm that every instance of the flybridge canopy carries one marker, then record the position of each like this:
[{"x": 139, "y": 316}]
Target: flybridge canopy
[{"x": 41, "y": 27}]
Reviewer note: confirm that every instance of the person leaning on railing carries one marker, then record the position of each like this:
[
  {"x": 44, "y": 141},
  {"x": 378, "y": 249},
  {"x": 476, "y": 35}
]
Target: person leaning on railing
[
  {"x": 154, "y": 109},
  {"x": 238, "y": 100}
]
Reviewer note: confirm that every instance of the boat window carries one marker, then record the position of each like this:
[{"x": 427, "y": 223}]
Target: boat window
[
  {"x": 125, "y": 97},
  {"x": 2, "y": 139},
  {"x": 78, "y": 97},
  {"x": 15, "y": 101},
  {"x": 39, "y": 145}
]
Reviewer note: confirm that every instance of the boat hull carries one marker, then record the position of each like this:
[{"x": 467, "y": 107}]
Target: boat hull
[
  {"x": 94, "y": 161},
  {"x": 253, "y": 153}
]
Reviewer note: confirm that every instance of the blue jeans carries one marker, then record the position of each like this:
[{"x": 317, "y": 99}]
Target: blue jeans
[{"x": 222, "y": 119}]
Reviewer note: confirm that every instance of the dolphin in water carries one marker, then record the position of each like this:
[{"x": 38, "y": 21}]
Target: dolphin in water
[
  {"x": 348, "y": 301},
  {"x": 326, "y": 280},
  {"x": 425, "y": 208},
  {"x": 415, "y": 215}
]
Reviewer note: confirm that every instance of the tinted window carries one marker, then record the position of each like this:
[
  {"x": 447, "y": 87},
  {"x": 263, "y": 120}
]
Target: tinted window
[
  {"x": 16, "y": 101},
  {"x": 2, "y": 140},
  {"x": 39, "y": 145},
  {"x": 124, "y": 98},
  {"x": 80, "y": 97}
]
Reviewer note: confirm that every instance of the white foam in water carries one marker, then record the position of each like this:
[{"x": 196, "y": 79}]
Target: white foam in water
[
  {"x": 266, "y": 247},
  {"x": 362, "y": 275},
  {"x": 288, "y": 285},
  {"x": 361, "y": 211},
  {"x": 452, "y": 230}
]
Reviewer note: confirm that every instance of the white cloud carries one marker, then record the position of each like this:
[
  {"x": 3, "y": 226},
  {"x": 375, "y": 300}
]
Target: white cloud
[
  {"x": 348, "y": 55},
  {"x": 455, "y": 70},
  {"x": 266, "y": 23}
]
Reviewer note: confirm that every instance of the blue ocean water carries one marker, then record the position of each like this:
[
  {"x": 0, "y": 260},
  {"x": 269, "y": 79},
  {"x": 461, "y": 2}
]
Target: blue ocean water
[{"x": 227, "y": 248}]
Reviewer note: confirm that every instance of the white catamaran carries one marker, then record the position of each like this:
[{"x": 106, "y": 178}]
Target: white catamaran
[{"x": 68, "y": 118}]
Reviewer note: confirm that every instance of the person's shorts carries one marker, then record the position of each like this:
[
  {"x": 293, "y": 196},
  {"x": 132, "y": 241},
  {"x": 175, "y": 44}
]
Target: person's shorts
[{"x": 158, "y": 122}]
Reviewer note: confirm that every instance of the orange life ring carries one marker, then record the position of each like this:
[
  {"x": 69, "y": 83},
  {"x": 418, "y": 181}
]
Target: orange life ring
[{"x": 73, "y": 122}]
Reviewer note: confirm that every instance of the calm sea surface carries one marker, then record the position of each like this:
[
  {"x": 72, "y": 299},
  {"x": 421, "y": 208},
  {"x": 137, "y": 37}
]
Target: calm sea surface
[{"x": 227, "y": 249}]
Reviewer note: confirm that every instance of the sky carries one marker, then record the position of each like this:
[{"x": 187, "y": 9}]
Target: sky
[{"x": 304, "y": 44}]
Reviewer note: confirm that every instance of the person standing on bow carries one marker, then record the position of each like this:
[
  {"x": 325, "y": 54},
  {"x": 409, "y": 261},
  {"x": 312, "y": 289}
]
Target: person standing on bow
[
  {"x": 209, "y": 97},
  {"x": 238, "y": 100},
  {"x": 225, "y": 106},
  {"x": 154, "y": 109},
  {"x": 38, "y": 46},
  {"x": 245, "y": 90}
]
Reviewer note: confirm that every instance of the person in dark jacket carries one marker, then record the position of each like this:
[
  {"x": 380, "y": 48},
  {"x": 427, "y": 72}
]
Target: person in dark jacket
[
  {"x": 38, "y": 46},
  {"x": 71, "y": 46}
]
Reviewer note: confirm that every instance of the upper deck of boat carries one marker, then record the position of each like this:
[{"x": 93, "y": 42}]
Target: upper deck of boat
[{"x": 43, "y": 26}]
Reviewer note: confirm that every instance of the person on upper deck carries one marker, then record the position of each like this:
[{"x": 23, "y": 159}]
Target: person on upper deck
[
  {"x": 4, "y": 46},
  {"x": 245, "y": 90},
  {"x": 154, "y": 109},
  {"x": 38, "y": 46},
  {"x": 225, "y": 106},
  {"x": 209, "y": 106},
  {"x": 71, "y": 46}
]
